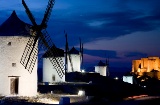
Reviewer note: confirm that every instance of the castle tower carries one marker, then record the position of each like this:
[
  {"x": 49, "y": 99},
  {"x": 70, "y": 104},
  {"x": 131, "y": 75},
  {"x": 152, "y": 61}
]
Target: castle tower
[
  {"x": 49, "y": 72},
  {"x": 101, "y": 68},
  {"x": 14, "y": 78}
]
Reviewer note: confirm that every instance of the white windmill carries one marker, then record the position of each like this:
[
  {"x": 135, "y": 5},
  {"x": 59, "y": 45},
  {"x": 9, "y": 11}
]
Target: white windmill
[{"x": 15, "y": 80}]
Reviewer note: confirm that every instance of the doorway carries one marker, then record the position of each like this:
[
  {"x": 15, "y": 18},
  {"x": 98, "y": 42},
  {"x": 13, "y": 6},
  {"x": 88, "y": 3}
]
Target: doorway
[{"x": 14, "y": 81}]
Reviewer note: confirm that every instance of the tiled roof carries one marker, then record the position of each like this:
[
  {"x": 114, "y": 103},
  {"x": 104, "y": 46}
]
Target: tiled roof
[{"x": 13, "y": 26}]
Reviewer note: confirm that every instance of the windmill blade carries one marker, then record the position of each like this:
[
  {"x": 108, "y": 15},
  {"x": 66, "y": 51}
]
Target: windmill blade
[
  {"x": 67, "y": 49},
  {"x": 29, "y": 13},
  {"x": 80, "y": 53},
  {"x": 47, "y": 13},
  {"x": 29, "y": 55},
  {"x": 70, "y": 60},
  {"x": 57, "y": 62}
]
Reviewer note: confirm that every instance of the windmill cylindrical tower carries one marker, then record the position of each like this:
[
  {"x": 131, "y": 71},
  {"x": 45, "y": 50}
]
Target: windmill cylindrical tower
[
  {"x": 75, "y": 60},
  {"x": 101, "y": 68},
  {"x": 49, "y": 72},
  {"x": 14, "y": 78}
]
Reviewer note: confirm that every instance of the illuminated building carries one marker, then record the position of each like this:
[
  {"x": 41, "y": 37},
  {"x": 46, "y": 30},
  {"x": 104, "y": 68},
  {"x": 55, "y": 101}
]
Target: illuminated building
[
  {"x": 75, "y": 60},
  {"x": 101, "y": 68},
  {"x": 14, "y": 78},
  {"x": 149, "y": 66},
  {"x": 49, "y": 72},
  {"x": 128, "y": 79}
]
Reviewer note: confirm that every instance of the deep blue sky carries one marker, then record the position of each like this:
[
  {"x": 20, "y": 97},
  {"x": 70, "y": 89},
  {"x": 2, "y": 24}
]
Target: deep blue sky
[{"x": 124, "y": 30}]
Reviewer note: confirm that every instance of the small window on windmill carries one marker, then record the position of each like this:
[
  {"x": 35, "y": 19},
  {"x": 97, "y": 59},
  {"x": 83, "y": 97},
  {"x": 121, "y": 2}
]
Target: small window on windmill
[
  {"x": 53, "y": 77},
  {"x": 13, "y": 64},
  {"x": 9, "y": 44}
]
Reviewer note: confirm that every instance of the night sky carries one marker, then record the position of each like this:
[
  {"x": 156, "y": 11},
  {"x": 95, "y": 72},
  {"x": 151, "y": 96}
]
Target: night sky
[{"x": 122, "y": 30}]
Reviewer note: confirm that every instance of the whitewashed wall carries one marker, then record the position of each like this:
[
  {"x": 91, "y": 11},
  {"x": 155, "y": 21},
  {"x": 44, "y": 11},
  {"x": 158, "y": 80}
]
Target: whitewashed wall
[
  {"x": 75, "y": 58},
  {"x": 101, "y": 70},
  {"x": 49, "y": 71},
  {"x": 12, "y": 54},
  {"x": 128, "y": 79}
]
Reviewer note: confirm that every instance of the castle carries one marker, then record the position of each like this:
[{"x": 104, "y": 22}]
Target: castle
[{"x": 149, "y": 66}]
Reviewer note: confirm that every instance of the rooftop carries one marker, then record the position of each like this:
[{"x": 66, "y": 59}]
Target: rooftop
[
  {"x": 73, "y": 51},
  {"x": 59, "y": 52},
  {"x": 13, "y": 26},
  {"x": 101, "y": 63}
]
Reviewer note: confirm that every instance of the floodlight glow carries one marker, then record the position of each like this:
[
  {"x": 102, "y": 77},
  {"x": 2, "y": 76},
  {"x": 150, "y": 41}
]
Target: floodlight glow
[
  {"x": 48, "y": 101},
  {"x": 81, "y": 92},
  {"x": 83, "y": 71},
  {"x": 116, "y": 78}
]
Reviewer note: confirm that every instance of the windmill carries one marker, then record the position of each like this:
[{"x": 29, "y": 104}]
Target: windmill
[
  {"x": 67, "y": 50},
  {"x": 42, "y": 39}
]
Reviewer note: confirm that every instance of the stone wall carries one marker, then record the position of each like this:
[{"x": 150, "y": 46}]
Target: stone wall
[{"x": 146, "y": 65}]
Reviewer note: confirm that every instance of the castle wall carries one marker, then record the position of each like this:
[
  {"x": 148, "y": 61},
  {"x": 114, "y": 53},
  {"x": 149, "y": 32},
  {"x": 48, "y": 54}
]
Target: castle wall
[
  {"x": 11, "y": 50},
  {"x": 135, "y": 65},
  {"x": 153, "y": 63},
  {"x": 147, "y": 65}
]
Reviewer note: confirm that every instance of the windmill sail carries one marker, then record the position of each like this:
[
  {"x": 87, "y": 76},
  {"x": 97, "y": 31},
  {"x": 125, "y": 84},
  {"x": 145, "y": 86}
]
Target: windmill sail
[
  {"x": 66, "y": 53},
  {"x": 47, "y": 12},
  {"x": 57, "y": 62},
  {"x": 81, "y": 52},
  {"x": 27, "y": 55},
  {"x": 82, "y": 55},
  {"x": 67, "y": 50},
  {"x": 30, "y": 53}
]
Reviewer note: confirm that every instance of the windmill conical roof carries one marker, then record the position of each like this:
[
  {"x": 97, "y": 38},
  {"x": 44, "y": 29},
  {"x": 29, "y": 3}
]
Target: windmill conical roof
[
  {"x": 101, "y": 63},
  {"x": 73, "y": 51},
  {"x": 59, "y": 52},
  {"x": 13, "y": 26}
]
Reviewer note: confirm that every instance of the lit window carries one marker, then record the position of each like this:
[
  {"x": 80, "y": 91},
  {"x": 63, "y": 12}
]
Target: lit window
[
  {"x": 9, "y": 44},
  {"x": 13, "y": 64}
]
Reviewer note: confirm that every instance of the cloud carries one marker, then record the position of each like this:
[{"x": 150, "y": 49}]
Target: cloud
[
  {"x": 144, "y": 42},
  {"x": 90, "y": 60},
  {"x": 102, "y": 53},
  {"x": 135, "y": 54},
  {"x": 105, "y": 25},
  {"x": 90, "y": 19},
  {"x": 122, "y": 28},
  {"x": 96, "y": 23}
]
